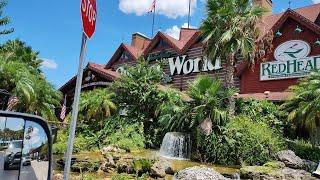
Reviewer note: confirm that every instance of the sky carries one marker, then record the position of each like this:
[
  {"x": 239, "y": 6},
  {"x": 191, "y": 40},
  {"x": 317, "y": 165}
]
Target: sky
[{"x": 54, "y": 28}]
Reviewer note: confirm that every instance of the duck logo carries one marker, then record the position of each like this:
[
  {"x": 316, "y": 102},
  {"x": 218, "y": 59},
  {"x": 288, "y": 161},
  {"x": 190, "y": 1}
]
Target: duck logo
[{"x": 290, "y": 50}]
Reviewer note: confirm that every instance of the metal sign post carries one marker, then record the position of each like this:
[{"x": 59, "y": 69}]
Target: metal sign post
[
  {"x": 75, "y": 109},
  {"x": 88, "y": 11}
]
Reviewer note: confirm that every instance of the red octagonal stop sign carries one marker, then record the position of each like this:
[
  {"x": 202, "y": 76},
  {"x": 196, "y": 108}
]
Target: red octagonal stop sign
[{"x": 89, "y": 16}]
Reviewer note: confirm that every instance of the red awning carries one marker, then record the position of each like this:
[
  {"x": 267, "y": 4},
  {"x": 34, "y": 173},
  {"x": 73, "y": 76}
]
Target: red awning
[{"x": 271, "y": 96}]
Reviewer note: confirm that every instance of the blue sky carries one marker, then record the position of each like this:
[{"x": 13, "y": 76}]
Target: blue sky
[{"x": 54, "y": 27}]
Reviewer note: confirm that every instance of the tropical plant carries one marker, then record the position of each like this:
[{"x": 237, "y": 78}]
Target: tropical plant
[
  {"x": 174, "y": 113},
  {"x": 95, "y": 106},
  {"x": 35, "y": 94},
  {"x": 304, "y": 106},
  {"x": 137, "y": 92},
  {"x": 242, "y": 141},
  {"x": 262, "y": 111},
  {"x": 230, "y": 30},
  {"x": 208, "y": 103},
  {"x": 17, "y": 50},
  {"x": 210, "y": 99},
  {"x": 4, "y": 20}
]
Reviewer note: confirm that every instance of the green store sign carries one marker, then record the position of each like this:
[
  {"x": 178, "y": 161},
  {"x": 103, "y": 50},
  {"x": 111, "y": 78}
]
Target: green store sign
[{"x": 288, "y": 69}]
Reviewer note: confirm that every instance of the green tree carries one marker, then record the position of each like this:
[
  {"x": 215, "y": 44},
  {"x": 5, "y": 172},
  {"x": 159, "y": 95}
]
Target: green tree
[
  {"x": 4, "y": 20},
  {"x": 96, "y": 105},
  {"x": 230, "y": 30},
  {"x": 304, "y": 106},
  {"x": 137, "y": 91},
  {"x": 208, "y": 103},
  {"x": 35, "y": 94},
  {"x": 17, "y": 50}
]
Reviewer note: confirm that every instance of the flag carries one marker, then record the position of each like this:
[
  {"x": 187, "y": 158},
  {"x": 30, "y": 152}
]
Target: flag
[
  {"x": 64, "y": 108},
  {"x": 153, "y": 6},
  {"x": 13, "y": 100}
]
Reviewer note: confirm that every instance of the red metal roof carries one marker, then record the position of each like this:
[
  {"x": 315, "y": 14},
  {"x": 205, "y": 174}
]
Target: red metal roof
[{"x": 311, "y": 13}]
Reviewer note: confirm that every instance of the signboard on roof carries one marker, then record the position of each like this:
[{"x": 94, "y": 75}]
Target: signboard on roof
[{"x": 292, "y": 61}]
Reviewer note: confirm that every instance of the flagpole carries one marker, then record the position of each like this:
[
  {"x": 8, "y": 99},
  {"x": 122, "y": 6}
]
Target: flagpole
[
  {"x": 189, "y": 14},
  {"x": 154, "y": 14}
]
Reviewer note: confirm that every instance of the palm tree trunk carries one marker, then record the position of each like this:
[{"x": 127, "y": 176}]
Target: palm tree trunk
[{"x": 230, "y": 82}]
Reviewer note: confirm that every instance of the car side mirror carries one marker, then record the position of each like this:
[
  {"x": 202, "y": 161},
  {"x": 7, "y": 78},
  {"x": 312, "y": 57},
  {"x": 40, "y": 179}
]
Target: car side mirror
[{"x": 25, "y": 147}]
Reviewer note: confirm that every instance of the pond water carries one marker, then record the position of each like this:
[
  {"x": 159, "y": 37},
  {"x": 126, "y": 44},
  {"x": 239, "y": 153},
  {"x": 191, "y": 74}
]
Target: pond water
[{"x": 151, "y": 154}]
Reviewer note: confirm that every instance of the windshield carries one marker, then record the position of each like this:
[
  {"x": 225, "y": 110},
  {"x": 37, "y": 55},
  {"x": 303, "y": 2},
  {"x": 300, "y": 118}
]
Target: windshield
[{"x": 16, "y": 144}]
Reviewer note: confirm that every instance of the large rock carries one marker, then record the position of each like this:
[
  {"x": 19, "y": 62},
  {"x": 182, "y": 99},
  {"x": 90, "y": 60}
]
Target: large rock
[
  {"x": 272, "y": 173},
  {"x": 111, "y": 148},
  {"x": 125, "y": 165},
  {"x": 57, "y": 177},
  {"x": 160, "y": 169},
  {"x": 290, "y": 159},
  {"x": 206, "y": 126},
  {"x": 198, "y": 173},
  {"x": 108, "y": 165}
]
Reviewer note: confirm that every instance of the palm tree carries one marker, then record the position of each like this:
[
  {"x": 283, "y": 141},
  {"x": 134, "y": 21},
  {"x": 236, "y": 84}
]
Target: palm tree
[
  {"x": 45, "y": 99},
  {"x": 35, "y": 94},
  {"x": 209, "y": 100},
  {"x": 304, "y": 107},
  {"x": 17, "y": 50},
  {"x": 230, "y": 30},
  {"x": 208, "y": 104},
  {"x": 96, "y": 105},
  {"x": 4, "y": 20}
]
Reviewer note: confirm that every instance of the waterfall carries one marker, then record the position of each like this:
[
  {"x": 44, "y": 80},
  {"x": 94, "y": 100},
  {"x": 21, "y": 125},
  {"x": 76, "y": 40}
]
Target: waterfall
[{"x": 176, "y": 145}]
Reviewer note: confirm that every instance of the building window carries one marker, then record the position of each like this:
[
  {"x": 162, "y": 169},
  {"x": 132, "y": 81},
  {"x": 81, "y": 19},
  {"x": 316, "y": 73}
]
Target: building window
[{"x": 125, "y": 56}]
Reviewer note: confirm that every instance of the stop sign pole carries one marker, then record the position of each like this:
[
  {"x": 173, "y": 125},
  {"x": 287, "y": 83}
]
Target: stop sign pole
[{"x": 88, "y": 15}]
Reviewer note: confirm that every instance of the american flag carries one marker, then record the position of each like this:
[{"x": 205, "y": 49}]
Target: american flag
[
  {"x": 153, "y": 6},
  {"x": 63, "y": 109},
  {"x": 13, "y": 100}
]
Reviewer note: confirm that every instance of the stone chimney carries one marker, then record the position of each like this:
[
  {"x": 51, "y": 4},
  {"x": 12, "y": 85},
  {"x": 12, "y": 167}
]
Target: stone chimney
[
  {"x": 139, "y": 40},
  {"x": 266, "y": 4}
]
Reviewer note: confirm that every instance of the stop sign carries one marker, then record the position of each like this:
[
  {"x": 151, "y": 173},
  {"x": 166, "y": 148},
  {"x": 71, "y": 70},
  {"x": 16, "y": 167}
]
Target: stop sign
[{"x": 89, "y": 16}]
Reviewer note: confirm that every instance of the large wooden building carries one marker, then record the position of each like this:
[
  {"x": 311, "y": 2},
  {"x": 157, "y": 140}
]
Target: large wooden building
[{"x": 296, "y": 52}]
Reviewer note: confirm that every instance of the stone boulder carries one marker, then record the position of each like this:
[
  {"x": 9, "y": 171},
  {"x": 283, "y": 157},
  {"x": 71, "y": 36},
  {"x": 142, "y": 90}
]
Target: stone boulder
[
  {"x": 198, "y": 173},
  {"x": 57, "y": 177},
  {"x": 272, "y": 173},
  {"x": 111, "y": 148},
  {"x": 108, "y": 165},
  {"x": 125, "y": 165},
  {"x": 160, "y": 169},
  {"x": 291, "y": 160}
]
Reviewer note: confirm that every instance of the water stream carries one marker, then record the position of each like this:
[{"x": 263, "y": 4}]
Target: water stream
[{"x": 176, "y": 145}]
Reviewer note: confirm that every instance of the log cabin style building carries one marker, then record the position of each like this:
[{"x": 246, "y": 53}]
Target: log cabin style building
[{"x": 296, "y": 52}]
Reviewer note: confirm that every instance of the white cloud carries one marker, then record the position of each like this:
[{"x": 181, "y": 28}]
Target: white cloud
[
  {"x": 174, "y": 31},
  {"x": 49, "y": 64},
  {"x": 169, "y": 8},
  {"x": 316, "y": 1}
]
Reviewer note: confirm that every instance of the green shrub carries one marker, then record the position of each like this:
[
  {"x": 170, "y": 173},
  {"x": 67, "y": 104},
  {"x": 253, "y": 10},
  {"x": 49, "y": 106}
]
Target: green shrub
[
  {"x": 86, "y": 166},
  {"x": 305, "y": 150},
  {"x": 262, "y": 111},
  {"x": 142, "y": 166},
  {"x": 60, "y": 147},
  {"x": 242, "y": 141},
  {"x": 128, "y": 137}
]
